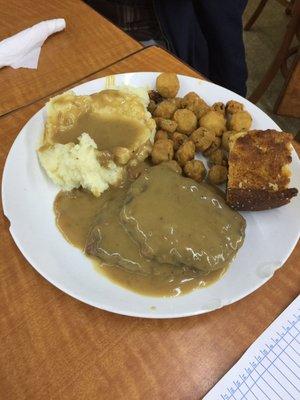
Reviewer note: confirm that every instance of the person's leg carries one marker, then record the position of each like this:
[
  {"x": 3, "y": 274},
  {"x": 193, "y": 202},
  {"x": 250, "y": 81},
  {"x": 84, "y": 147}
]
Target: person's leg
[
  {"x": 135, "y": 17},
  {"x": 180, "y": 27},
  {"x": 221, "y": 24}
]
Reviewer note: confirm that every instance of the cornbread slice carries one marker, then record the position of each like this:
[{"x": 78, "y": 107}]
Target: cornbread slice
[{"x": 259, "y": 173}]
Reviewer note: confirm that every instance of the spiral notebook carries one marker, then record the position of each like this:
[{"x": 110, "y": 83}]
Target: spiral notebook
[{"x": 270, "y": 368}]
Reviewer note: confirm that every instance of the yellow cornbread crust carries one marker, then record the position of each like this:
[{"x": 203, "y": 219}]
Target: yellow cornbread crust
[{"x": 259, "y": 171}]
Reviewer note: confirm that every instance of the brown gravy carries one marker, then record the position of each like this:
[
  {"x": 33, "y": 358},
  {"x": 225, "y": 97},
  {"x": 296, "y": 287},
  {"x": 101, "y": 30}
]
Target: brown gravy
[
  {"x": 167, "y": 285},
  {"x": 79, "y": 211},
  {"x": 94, "y": 124},
  {"x": 178, "y": 221}
]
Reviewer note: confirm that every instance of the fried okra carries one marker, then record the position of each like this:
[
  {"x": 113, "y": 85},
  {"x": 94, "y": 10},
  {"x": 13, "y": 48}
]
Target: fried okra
[
  {"x": 162, "y": 151},
  {"x": 219, "y": 107},
  {"x": 240, "y": 121},
  {"x": 167, "y": 125},
  {"x": 216, "y": 143},
  {"x": 202, "y": 138},
  {"x": 186, "y": 121},
  {"x": 155, "y": 96},
  {"x": 151, "y": 106},
  {"x": 194, "y": 103},
  {"x": 185, "y": 153},
  {"x": 217, "y": 174},
  {"x": 218, "y": 157},
  {"x": 195, "y": 169},
  {"x": 167, "y": 85},
  {"x": 225, "y": 139},
  {"x": 178, "y": 102},
  {"x": 160, "y": 134},
  {"x": 214, "y": 121},
  {"x": 233, "y": 106},
  {"x": 121, "y": 155},
  {"x": 165, "y": 109},
  {"x": 178, "y": 139}
]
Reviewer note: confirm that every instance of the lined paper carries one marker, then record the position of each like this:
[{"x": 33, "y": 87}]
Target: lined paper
[{"x": 270, "y": 368}]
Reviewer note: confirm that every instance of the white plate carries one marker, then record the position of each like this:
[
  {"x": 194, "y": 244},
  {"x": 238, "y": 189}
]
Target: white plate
[{"x": 28, "y": 197}]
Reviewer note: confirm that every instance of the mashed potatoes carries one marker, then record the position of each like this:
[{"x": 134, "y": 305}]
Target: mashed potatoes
[
  {"x": 73, "y": 165},
  {"x": 89, "y": 140}
]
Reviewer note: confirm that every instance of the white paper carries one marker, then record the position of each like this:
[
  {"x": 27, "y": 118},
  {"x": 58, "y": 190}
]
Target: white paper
[
  {"x": 270, "y": 368},
  {"x": 23, "y": 49}
]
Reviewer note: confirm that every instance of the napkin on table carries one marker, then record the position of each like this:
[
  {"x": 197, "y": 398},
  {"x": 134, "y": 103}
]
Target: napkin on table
[{"x": 23, "y": 49}]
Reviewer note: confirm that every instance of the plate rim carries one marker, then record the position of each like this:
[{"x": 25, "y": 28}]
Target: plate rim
[{"x": 112, "y": 309}]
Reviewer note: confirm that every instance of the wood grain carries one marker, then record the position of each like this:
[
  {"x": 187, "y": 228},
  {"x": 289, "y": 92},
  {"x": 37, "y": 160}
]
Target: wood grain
[
  {"x": 89, "y": 43},
  {"x": 55, "y": 347}
]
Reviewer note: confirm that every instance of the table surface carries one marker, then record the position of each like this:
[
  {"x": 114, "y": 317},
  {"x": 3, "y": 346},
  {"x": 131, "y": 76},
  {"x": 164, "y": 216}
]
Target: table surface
[
  {"x": 67, "y": 56},
  {"x": 53, "y": 346}
]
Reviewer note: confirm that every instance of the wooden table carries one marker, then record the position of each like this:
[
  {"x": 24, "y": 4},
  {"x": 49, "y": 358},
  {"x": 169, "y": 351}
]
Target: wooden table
[
  {"x": 88, "y": 43},
  {"x": 55, "y": 347}
]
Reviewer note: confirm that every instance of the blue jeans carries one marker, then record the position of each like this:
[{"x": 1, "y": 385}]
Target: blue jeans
[{"x": 208, "y": 35}]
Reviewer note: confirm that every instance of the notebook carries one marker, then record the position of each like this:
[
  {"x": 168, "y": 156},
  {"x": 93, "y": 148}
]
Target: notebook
[{"x": 270, "y": 368}]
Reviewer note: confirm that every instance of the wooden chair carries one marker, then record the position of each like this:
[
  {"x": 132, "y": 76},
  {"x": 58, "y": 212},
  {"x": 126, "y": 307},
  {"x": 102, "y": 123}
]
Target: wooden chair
[
  {"x": 285, "y": 50},
  {"x": 288, "y": 102},
  {"x": 288, "y": 6}
]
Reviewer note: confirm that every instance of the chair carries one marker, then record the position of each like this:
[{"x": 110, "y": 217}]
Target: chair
[
  {"x": 288, "y": 5},
  {"x": 285, "y": 50}
]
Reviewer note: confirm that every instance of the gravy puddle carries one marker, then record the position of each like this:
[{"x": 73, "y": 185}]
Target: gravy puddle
[{"x": 116, "y": 248}]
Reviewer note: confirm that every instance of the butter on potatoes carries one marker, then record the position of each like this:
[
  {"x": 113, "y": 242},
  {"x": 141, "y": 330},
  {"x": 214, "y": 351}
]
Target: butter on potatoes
[{"x": 73, "y": 165}]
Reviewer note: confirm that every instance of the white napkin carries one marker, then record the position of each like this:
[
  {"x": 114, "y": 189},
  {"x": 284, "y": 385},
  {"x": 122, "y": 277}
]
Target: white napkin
[{"x": 23, "y": 49}]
